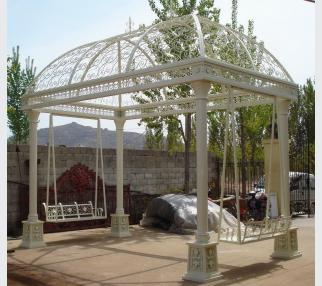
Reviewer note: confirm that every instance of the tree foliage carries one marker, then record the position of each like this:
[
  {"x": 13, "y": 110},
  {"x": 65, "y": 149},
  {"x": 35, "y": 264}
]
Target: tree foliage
[
  {"x": 180, "y": 46},
  {"x": 172, "y": 125},
  {"x": 166, "y": 9},
  {"x": 18, "y": 79},
  {"x": 302, "y": 127},
  {"x": 251, "y": 121}
]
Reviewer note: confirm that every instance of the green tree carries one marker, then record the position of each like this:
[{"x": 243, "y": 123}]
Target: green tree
[
  {"x": 302, "y": 127},
  {"x": 179, "y": 135},
  {"x": 251, "y": 121},
  {"x": 18, "y": 80}
]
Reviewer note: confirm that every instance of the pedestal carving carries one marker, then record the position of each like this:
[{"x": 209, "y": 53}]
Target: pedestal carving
[
  {"x": 202, "y": 262},
  {"x": 32, "y": 234},
  {"x": 120, "y": 225},
  {"x": 286, "y": 246}
]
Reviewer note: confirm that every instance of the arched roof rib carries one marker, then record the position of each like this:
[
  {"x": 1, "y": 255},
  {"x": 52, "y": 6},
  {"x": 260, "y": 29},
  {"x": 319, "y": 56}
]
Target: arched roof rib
[{"x": 173, "y": 52}]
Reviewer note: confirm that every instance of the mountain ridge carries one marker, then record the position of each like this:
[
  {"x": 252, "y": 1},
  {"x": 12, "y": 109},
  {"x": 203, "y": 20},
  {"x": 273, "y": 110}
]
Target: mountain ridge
[{"x": 77, "y": 135}]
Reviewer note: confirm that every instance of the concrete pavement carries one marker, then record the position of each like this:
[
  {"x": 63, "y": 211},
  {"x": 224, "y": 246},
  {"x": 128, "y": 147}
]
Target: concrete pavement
[{"x": 152, "y": 257}]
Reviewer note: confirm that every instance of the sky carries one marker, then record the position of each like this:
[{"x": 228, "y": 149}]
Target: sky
[{"x": 45, "y": 29}]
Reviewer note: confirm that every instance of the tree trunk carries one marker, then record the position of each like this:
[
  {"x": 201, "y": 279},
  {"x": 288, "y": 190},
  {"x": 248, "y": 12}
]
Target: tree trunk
[
  {"x": 217, "y": 178},
  {"x": 253, "y": 173},
  {"x": 187, "y": 143}
]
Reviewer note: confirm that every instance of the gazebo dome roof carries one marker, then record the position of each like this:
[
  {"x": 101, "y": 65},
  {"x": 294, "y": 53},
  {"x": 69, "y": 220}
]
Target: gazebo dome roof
[
  {"x": 175, "y": 40},
  {"x": 111, "y": 78}
]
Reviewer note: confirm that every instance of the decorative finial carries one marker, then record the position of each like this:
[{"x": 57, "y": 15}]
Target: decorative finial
[{"x": 129, "y": 25}]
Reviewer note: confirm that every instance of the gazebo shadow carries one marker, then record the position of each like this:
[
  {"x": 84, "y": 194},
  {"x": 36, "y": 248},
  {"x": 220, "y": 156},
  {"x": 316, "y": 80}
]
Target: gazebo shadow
[
  {"x": 233, "y": 275},
  {"x": 104, "y": 245},
  {"x": 239, "y": 274},
  {"x": 102, "y": 237}
]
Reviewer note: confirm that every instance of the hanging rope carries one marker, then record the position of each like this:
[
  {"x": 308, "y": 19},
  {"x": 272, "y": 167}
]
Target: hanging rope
[
  {"x": 51, "y": 148},
  {"x": 102, "y": 166},
  {"x": 54, "y": 160},
  {"x": 232, "y": 110},
  {"x": 96, "y": 165},
  {"x": 270, "y": 158},
  {"x": 48, "y": 163},
  {"x": 223, "y": 175}
]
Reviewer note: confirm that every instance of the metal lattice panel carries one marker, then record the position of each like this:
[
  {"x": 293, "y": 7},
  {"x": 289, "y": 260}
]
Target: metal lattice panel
[{"x": 105, "y": 76}]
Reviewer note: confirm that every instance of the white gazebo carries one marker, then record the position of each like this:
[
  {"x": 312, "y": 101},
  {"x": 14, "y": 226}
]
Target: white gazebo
[{"x": 99, "y": 80}]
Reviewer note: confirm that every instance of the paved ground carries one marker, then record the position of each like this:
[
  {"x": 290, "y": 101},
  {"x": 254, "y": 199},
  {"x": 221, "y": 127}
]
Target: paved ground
[{"x": 152, "y": 257}]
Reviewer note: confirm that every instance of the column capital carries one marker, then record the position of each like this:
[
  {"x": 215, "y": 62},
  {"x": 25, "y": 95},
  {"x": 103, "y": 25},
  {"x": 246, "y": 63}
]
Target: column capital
[
  {"x": 33, "y": 116},
  {"x": 282, "y": 106},
  {"x": 119, "y": 123},
  {"x": 201, "y": 88}
]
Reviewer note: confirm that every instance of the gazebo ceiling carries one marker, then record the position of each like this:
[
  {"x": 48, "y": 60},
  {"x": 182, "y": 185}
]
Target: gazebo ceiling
[{"x": 90, "y": 78}]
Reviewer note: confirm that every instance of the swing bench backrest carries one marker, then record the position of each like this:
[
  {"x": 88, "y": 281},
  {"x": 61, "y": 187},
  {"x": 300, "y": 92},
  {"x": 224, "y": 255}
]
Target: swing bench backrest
[
  {"x": 266, "y": 228},
  {"x": 257, "y": 230},
  {"x": 73, "y": 211}
]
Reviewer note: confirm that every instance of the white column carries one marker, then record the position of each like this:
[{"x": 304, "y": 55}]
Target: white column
[
  {"x": 32, "y": 228},
  {"x": 201, "y": 91},
  {"x": 119, "y": 165},
  {"x": 33, "y": 122},
  {"x": 202, "y": 253},
  {"x": 119, "y": 220},
  {"x": 282, "y": 125},
  {"x": 285, "y": 246}
]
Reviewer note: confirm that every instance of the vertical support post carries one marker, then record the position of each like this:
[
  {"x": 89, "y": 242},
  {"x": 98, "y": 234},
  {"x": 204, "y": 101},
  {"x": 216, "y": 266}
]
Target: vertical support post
[
  {"x": 201, "y": 91},
  {"x": 32, "y": 228},
  {"x": 119, "y": 166},
  {"x": 33, "y": 122},
  {"x": 202, "y": 254},
  {"x": 282, "y": 125},
  {"x": 286, "y": 245},
  {"x": 119, "y": 220}
]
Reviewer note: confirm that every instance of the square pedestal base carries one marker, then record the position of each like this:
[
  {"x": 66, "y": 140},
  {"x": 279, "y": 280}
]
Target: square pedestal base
[
  {"x": 286, "y": 246},
  {"x": 120, "y": 225},
  {"x": 202, "y": 262},
  {"x": 32, "y": 234}
]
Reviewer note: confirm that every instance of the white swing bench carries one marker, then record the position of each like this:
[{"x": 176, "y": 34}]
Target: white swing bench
[
  {"x": 253, "y": 231},
  {"x": 73, "y": 212},
  {"x": 59, "y": 212}
]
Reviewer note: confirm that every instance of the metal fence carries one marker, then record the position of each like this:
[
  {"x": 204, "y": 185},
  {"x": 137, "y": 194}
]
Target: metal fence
[
  {"x": 252, "y": 172},
  {"x": 301, "y": 178},
  {"x": 302, "y": 182}
]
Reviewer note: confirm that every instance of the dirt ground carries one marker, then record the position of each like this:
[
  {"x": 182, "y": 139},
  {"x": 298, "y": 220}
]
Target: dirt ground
[{"x": 153, "y": 257}]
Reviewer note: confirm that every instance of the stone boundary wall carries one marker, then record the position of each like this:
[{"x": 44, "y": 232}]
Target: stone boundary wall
[{"x": 151, "y": 172}]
